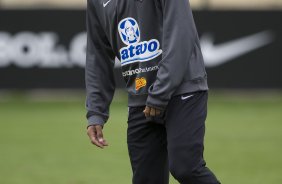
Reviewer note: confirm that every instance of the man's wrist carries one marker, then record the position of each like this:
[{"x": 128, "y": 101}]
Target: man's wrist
[
  {"x": 96, "y": 120},
  {"x": 156, "y": 103}
]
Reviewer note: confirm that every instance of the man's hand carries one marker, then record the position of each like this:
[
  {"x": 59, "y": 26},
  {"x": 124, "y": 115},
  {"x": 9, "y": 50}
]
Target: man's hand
[
  {"x": 95, "y": 134},
  {"x": 151, "y": 111}
]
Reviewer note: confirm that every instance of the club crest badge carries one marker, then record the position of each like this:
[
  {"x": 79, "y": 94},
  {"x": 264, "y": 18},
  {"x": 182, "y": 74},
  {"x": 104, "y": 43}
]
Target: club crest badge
[
  {"x": 129, "y": 31},
  {"x": 136, "y": 51}
]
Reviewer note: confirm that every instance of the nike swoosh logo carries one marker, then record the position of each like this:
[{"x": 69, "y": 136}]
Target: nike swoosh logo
[
  {"x": 186, "y": 97},
  {"x": 215, "y": 55},
  {"x": 105, "y": 4}
]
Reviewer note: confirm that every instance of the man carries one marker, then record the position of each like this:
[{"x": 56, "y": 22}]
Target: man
[{"x": 158, "y": 47}]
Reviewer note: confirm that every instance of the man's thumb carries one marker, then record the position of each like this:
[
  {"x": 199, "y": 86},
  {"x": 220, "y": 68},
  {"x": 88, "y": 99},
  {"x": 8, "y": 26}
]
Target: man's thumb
[{"x": 99, "y": 133}]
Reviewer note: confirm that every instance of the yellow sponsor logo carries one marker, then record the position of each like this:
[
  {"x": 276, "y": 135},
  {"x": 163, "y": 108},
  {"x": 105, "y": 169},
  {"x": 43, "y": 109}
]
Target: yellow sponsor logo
[{"x": 140, "y": 82}]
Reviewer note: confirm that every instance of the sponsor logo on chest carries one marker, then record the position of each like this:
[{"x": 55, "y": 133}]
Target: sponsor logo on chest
[
  {"x": 140, "y": 83},
  {"x": 136, "y": 51}
]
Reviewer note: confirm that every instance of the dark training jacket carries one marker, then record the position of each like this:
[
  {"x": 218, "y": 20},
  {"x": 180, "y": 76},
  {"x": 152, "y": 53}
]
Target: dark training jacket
[{"x": 158, "y": 47}]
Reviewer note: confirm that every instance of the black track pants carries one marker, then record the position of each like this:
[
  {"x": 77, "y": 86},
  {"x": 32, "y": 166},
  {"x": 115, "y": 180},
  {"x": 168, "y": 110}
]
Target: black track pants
[{"x": 174, "y": 144}]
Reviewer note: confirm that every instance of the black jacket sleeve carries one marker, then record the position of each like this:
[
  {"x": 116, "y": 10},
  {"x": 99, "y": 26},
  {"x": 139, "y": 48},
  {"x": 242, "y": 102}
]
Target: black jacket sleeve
[
  {"x": 99, "y": 76},
  {"x": 179, "y": 36}
]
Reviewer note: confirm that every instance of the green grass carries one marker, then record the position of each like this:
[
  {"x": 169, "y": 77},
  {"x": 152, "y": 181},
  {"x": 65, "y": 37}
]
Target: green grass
[{"x": 43, "y": 140}]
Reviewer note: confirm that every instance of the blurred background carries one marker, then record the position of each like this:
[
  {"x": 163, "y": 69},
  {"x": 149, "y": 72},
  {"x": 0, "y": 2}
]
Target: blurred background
[{"x": 42, "y": 116}]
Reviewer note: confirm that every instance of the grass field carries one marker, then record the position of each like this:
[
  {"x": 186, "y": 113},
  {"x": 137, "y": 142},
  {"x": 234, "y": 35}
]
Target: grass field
[{"x": 43, "y": 140}]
